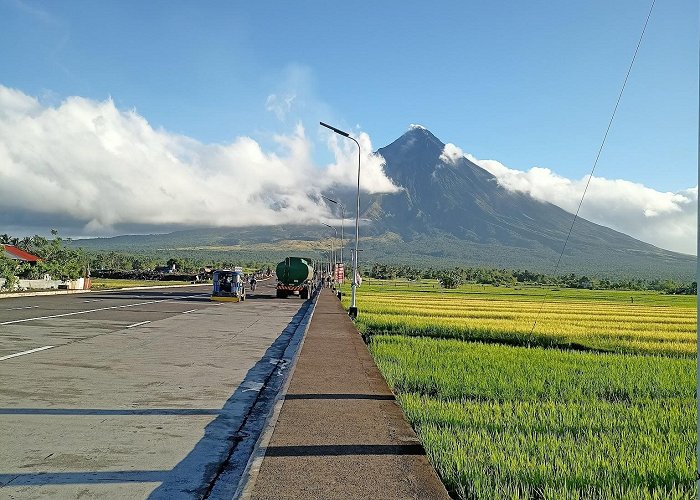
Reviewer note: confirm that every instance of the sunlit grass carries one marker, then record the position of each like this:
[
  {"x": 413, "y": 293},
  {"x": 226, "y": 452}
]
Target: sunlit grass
[
  {"x": 513, "y": 422},
  {"x": 108, "y": 284},
  {"x": 600, "y": 405},
  {"x": 634, "y": 322}
]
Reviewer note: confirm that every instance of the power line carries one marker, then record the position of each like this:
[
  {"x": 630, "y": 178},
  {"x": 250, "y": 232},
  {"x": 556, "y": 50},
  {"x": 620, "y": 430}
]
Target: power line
[{"x": 595, "y": 164}]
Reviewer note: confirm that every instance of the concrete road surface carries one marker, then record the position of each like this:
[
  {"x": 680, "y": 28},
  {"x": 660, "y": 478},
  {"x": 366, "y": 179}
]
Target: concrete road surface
[
  {"x": 340, "y": 433},
  {"x": 136, "y": 393}
]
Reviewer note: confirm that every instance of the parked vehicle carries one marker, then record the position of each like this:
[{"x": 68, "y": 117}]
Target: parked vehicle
[
  {"x": 229, "y": 285},
  {"x": 295, "y": 277}
]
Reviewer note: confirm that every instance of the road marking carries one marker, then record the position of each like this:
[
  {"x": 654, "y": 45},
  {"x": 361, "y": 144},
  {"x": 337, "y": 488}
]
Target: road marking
[
  {"x": 20, "y": 308},
  {"x": 190, "y": 311},
  {"x": 138, "y": 324},
  {"x": 26, "y": 352},
  {"x": 94, "y": 310}
]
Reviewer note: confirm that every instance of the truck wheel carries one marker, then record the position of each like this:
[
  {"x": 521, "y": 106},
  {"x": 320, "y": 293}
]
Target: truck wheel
[
  {"x": 304, "y": 294},
  {"x": 280, "y": 294}
]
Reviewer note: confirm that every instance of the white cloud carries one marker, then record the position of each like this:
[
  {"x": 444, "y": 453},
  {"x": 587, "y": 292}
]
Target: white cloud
[
  {"x": 451, "y": 153},
  {"x": 667, "y": 220},
  {"x": 344, "y": 170},
  {"x": 280, "y": 105},
  {"x": 93, "y": 163}
]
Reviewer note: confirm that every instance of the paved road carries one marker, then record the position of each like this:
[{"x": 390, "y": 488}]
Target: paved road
[{"x": 132, "y": 394}]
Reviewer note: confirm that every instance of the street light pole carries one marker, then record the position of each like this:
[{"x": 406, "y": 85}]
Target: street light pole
[
  {"x": 352, "y": 311},
  {"x": 342, "y": 224},
  {"x": 332, "y": 247}
]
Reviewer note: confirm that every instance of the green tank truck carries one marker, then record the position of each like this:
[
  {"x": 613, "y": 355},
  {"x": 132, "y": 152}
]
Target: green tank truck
[{"x": 295, "y": 277}]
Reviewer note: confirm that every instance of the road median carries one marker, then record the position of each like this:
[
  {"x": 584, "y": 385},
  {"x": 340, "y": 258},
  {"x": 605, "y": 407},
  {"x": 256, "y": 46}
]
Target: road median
[{"x": 340, "y": 433}]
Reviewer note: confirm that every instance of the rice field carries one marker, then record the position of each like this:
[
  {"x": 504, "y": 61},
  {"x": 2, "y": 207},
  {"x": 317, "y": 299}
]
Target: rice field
[
  {"x": 602, "y": 405},
  {"x": 609, "y": 321}
]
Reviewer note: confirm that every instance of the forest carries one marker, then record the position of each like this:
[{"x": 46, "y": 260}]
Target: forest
[{"x": 63, "y": 260}]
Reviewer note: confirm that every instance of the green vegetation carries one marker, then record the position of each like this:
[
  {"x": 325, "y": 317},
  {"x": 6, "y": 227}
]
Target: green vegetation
[
  {"x": 457, "y": 276},
  {"x": 439, "y": 250},
  {"x": 58, "y": 260},
  {"x": 61, "y": 260},
  {"x": 514, "y": 422},
  {"x": 508, "y": 421},
  {"x": 109, "y": 284},
  {"x": 601, "y": 320}
]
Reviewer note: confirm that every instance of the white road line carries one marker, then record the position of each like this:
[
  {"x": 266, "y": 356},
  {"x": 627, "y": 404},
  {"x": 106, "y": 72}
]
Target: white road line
[
  {"x": 190, "y": 311},
  {"x": 26, "y": 352},
  {"x": 138, "y": 324},
  {"x": 94, "y": 310}
]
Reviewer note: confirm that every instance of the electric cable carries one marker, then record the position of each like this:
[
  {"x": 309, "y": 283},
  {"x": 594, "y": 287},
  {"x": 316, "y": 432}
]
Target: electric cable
[{"x": 595, "y": 164}]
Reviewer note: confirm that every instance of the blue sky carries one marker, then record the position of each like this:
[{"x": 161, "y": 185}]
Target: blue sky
[{"x": 530, "y": 84}]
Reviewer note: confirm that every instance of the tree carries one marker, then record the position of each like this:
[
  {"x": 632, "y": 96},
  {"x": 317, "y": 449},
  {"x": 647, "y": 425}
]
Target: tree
[
  {"x": 450, "y": 280},
  {"x": 25, "y": 243},
  {"x": 8, "y": 270}
]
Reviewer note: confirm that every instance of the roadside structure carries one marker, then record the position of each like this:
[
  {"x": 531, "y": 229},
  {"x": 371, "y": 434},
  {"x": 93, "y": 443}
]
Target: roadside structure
[{"x": 14, "y": 253}]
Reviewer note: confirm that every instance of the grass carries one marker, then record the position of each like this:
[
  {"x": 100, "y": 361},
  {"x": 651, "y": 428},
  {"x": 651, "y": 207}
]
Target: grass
[
  {"x": 499, "y": 420},
  {"x": 609, "y": 321},
  {"x": 109, "y": 284},
  {"x": 510, "y": 422}
]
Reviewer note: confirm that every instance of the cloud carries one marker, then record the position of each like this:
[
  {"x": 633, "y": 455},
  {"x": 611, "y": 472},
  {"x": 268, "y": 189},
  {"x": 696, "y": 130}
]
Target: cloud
[
  {"x": 451, "y": 153},
  {"x": 280, "y": 105},
  {"x": 344, "y": 170},
  {"x": 89, "y": 162},
  {"x": 667, "y": 220}
]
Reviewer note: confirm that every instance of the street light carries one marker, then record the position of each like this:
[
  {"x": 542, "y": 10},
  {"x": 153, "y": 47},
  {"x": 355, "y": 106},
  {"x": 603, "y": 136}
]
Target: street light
[
  {"x": 332, "y": 247},
  {"x": 353, "y": 304},
  {"x": 342, "y": 224}
]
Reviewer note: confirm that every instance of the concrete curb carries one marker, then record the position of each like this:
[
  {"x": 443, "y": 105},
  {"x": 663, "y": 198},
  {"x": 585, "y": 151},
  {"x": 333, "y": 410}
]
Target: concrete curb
[
  {"x": 250, "y": 474},
  {"x": 39, "y": 294},
  {"x": 70, "y": 292},
  {"x": 149, "y": 287}
]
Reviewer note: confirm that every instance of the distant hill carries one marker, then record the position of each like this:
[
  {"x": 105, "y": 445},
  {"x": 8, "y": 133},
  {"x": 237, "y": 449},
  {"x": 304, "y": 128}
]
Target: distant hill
[{"x": 449, "y": 212}]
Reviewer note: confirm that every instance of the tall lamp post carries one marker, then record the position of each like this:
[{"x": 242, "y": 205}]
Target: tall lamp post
[
  {"x": 342, "y": 220},
  {"x": 353, "y": 304},
  {"x": 332, "y": 247}
]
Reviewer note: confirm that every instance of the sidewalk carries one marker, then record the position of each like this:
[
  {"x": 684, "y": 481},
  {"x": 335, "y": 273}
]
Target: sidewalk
[{"x": 340, "y": 433}]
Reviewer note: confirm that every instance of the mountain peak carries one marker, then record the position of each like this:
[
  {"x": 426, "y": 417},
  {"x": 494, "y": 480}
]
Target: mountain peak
[
  {"x": 415, "y": 130},
  {"x": 417, "y": 139}
]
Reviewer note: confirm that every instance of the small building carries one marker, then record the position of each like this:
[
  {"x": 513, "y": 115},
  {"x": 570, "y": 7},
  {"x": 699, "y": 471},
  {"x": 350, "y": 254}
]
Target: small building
[
  {"x": 165, "y": 269},
  {"x": 14, "y": 253}
]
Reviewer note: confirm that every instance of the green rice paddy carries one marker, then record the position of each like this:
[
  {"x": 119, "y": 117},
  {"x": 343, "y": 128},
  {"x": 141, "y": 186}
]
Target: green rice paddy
[{"x": 601, "y": 405}]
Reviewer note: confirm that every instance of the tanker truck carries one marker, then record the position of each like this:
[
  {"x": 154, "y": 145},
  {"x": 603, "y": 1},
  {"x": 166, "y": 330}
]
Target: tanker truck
[{"x": 295, "y": 277}]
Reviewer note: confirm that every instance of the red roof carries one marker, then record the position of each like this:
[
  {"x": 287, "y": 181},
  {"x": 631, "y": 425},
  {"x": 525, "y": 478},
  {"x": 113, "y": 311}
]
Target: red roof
[{"x": 21, "y": 254}]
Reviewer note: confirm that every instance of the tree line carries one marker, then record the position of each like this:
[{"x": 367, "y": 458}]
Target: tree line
[
  {"x": 454, "y": 277},
  {"x": 57, "y": 260},
  {"x": 62, "y": 260}
]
